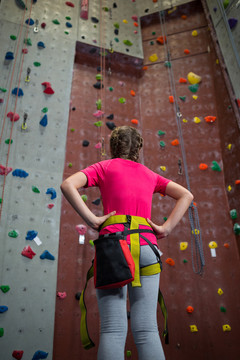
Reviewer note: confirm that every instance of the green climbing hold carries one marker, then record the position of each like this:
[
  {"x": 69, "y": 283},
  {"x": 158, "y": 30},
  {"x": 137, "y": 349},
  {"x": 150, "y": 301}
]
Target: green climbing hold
[
  {"x": 72, "y": 130},
  {"x": 7, "y": 141},
  {"x": 111, "y": 88},
  {"x": 168, "y": 64},
  {"x": 193, "y": 88},
  {"x": 116, "y": 39},
  {"x": 99, "y": 104},
  {"x": 215, "y": 166},
  {"x": 116, "y": 25},
  {"x": 151, "y": 42},
  {"x": 1, "y": 332},
  {"x": 13, "y": 37},
  {"x": 185, "y": 261},
  {"x": 66, "y": 32},
  {"x": 91, "y": 243},
  {"x": 183, "y": 98},
  {"x": 122, "y": 100},
  {"x": 233, "y": 214},
  {"x": 1, "y": 200},
  {"x": 84, "y": 197},
  {"x": 70, "y": 165},
  {"x": 3, "y": 90},
  {"x": 105, "y": 9},
  {"x": 154, "y": 33},
  {"x": 45, "y": 110},
  {"x": 162, "y": 144},
  {"x": 127, "y": 42},
  {"x": 68, "y": 18},
  {"x": 13, "y": 234},
  {"x": 165, "y": 218},
  {"x": 28, "y": 41},
  {"x": 35, "y": 189},
  {"x": 236, "y": 229},
  {"x": 160, "y": 132},
  {"x": 56, "y": 22},
  {"x": 98, "y": 123},
  {"x": 5, "y": 288},
  {"x": 98, "y": 77},
  {"x": 225, "y": 3},
  {"x": 36, "y": 63},
  {"x": 129, "y": 353},
  {"x": 223, "y": 309}
]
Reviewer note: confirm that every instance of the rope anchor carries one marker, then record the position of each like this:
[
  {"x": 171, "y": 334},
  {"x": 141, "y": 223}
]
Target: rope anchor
[
  {"x": 27, "y": 79},
  {"x": 24, "y": 124}
]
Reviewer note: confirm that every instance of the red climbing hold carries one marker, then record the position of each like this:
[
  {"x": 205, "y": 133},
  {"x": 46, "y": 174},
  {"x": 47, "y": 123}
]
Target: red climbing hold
[
  {"x": 170, "y": 261},
  {"x": 171, "y": 99},
  {"x": 186, "y": 51},
  {"x": 134, "y": 121},
  {"x": 5, "y": 170},
  {"x": 161, "y": 40},
  {"x": 17, "y": 354},
  {"x": 238, "y": 102},
  {"x": 175, "y": 142},
  {"x": 69, "y": 3},
  {"x": 28, "y": 252},
  {"x": 12, "y": 116},
  {"x": 210, "y": 118},
  {"x": 24, "y": 51},
  {"x": 50, "y": 206},
  {"x": 49, "y": 91},
  {"x": 43, "y": 25},
  {"x": 190, "y": 309},
  {"x": 135, "y": 24},
  {"x": 182, "y": 80},
  {"x": 135, "y": 18},
  {"x": 237, "y": 182}
]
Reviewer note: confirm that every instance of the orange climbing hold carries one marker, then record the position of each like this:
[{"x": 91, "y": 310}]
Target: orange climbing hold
[
  {"x": 184, "y": 17},
  {"x": 190, "y": 309},
  {"x": 135, "y": 24},
  {"x": 132, "y": 92},
  {"x": 210, "y": 118},
  {"x": 134, "y": 121},
  {"x": 226, "y": 245},
  {"x": 175, "y": 142},
  {"x": 182, "y": 80},
  {"x": 171, "y": 99},
  {"x": 145, "y": 67},
  {"x": 186, "y": 51},
  {"x": 237, "y": 182},
  {"x": 161, "y": 40},
  {"x": 170, "y": 261},
  {"x": 203, "y": 166}
]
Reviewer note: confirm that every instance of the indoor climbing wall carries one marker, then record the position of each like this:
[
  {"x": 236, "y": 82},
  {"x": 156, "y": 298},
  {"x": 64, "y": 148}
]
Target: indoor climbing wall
[
  {"x": 203, "y": 312},
  {"x": 54, "y": 57}
]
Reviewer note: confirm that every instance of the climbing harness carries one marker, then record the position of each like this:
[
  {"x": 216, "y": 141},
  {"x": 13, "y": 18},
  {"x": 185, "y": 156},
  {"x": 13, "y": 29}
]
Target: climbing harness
[
  {"x": 131, "y": 227},
  {"x": 196, "y": 235}
]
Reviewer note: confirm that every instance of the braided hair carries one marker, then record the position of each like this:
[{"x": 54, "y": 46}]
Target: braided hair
[{"x": 125, "y": 143}]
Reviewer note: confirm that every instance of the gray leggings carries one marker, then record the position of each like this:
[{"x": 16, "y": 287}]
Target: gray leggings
[{"x": 113, "y": 316}]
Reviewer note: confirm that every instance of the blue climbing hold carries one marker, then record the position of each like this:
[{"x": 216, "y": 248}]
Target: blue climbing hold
[
  {"x": 47, "y": 255},
  {"x": 19, "y": 172},
  {"x": 40, "y": 355},
  {"x": 68, "y": 24},
  {"x": 9, "y": 56},
  {"x": 31, "y": 234},
  {"x": 52, "y": 192},
  {"x": 41, "y": 45},
  {"x": 44, "y": 121},
  {"x": 18, "y": 92},
  {"x": 29, "y": 22},
  {"x": 3, "y": 309}
]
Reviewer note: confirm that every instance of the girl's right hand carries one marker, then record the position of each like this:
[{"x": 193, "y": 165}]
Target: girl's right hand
[{"x": 160, "y": 230}]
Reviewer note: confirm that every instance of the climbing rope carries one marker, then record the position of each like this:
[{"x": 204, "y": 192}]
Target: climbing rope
[{"x": 198, "y": 261}]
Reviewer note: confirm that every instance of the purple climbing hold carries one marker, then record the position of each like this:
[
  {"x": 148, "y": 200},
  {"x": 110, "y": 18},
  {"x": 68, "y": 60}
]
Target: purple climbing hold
[
  {"x": 40, "y": 355},
  {"x": 47, "y": 255},
  {"x": 232, "y": 22}
]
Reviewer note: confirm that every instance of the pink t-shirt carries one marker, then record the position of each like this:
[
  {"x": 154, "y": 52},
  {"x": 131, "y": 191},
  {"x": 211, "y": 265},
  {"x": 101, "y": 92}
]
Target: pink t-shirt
[{"x": 126, "y": 187}]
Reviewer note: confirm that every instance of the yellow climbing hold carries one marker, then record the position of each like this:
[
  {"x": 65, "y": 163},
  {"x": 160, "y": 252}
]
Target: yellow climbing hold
[
  {"x": 194, "y": 33},
  {"x": 125, "y": 21},
  {"x": 193, "y": 328},
  {"x": 226, "y": 327},
  {"x": 220, "y": 292},
  {"x": 229, "y": 188},
  {"x": 163, "y": 168},
  {"x": 185, "y": 120},
  {"x": 196, "y": 120},
  {"x": 217, "y": 61},
  {"x": 172, "y": 10},
  {"x": 183, "y": 245},
  {"x": 229, "y": 146},
  {"x": 194, "y": 78},
  {"x": 212, "y": 245},
  {"x": 153, "y": 57},
  {"x": 195, "y": 97}
]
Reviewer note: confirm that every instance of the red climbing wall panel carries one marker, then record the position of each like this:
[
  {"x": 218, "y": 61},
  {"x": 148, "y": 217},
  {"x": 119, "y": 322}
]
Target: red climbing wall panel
[{"x": 203, "y": 144}]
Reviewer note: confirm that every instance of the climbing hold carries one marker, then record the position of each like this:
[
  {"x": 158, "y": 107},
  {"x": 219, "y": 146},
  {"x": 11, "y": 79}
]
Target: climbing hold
[
  {"x": 153, "y": 57},
  {"x": 161, "y": 40},
  {"x": 182, "y": 80},
  {"x": 48, "y": 88},
  {"x": 25, "y": 51},
  {"x": 122, "y": 100},
  {"x": 31, "y": 234},
  {"x": 5, "y": 288},
  {"x": 185, "y": 120},
  {"x": 193, "y": 88},
  {"x": 68, "y": 17},
  {"x": 50, "y": 206},
  {"x": 232, "y": 23},
  {"x": 132, "y": 92},
  {"x": 28, "y": 252},
  {"x": 186, "y": 51},
  {"x": 5, "y": 170},
  {"x": 125, "y": 21},
  {"x": 175, "y": 142},
  {"x": 171, "y": 99},
  {"x": 220, "y": 292},
  {"x": 229, "y": 188},
  {"x": 163, "y": 168},
  {"x": 13, "y": 234},
  {"x": 135, "y": 24},
  {"x": 13, "y": 37},
  {"x": 194, "y": 33},
  {"x": 210, "y": 118},
  {"x": 226, "y": 245},
  {"x": 195, "y": 97},
  {"x": 98, "y": 145},
  {"x": 62, "y": 295},
  {"x": 56, "y": 22},
  {"x": 69, "y": 3},
  {"x": 170, "y": 261},
  {"x": 194, "y": 78},
  {"x": 236, "y": 229},
  {"x": 168, "y": 64},
  {"x": 68, "y": 24},
  {"x": 196, "y": 120},
  {"x": 215, "y": 166},
  {"x": 134, "y": 121},
  {"x": 183, "y": 98},
  {"x": 225, "y": 3},
  {"x": 190, "y": 309},
  {"x": 91, "y": 243},
  {"x": 29, "y": 22},
  {"x": 52, "y": 192},
  {"x": 127, "y": 42},
  {"x": 110, "y": 125},
  {"x": 1, "y": 332},
  {"x": 21, "y": 4},
  {"x": 99, "y": 104},
  {"x": 135, "y": 17},
  {"x": 223, "y": 309},
  {"x": 19, "y": 172},
  {"x": 183, "y": 245},
  {"x": 85, "y": 143},
  {"x": 47, "y": 255},
  {"x": 160, "y": 132},
  {"x": 203, "y": 166},
  {"x": 110, "y": 117},
  {"x": 212, "y": 245},
  {"x": 41, "y": 45},
  {"x": 162, "y": 144},
  {"x": 98, "y": 114},
  {"x": 17, "y": 92},
  {"x": 12, "y": 116},
  {"x": 43, "y": 25},
  {"x": 229, "y": 146},
  {"x": 3, "y": 90},
  {"x": 28, "y": 42},
  {"x": 98, "y": 85},
  {"x": 193, "y": 328},
  {"x": 36, "y": 63},
  {"x": 233, "y": 214},
  {"x": 3, "y": 309},
  {"x": 98, "y": 123},
  {"x": 226, "y": 327},
  {"x": 84, "y": 197},
  {"x": 129, "y": 353},
  {"x": 237, "y": 182},
  {"x": 17, "y": 354},
  {"x": 40, "y": 355},
  {"x": 185, "y": 261},
  {"x": 94, "y": 20},
  {"x": 96, "y": 202},
  {"x": 184, "y": 17},
  {"x": 9, "y": 56},
  {"x": 44, "y": 121}
]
